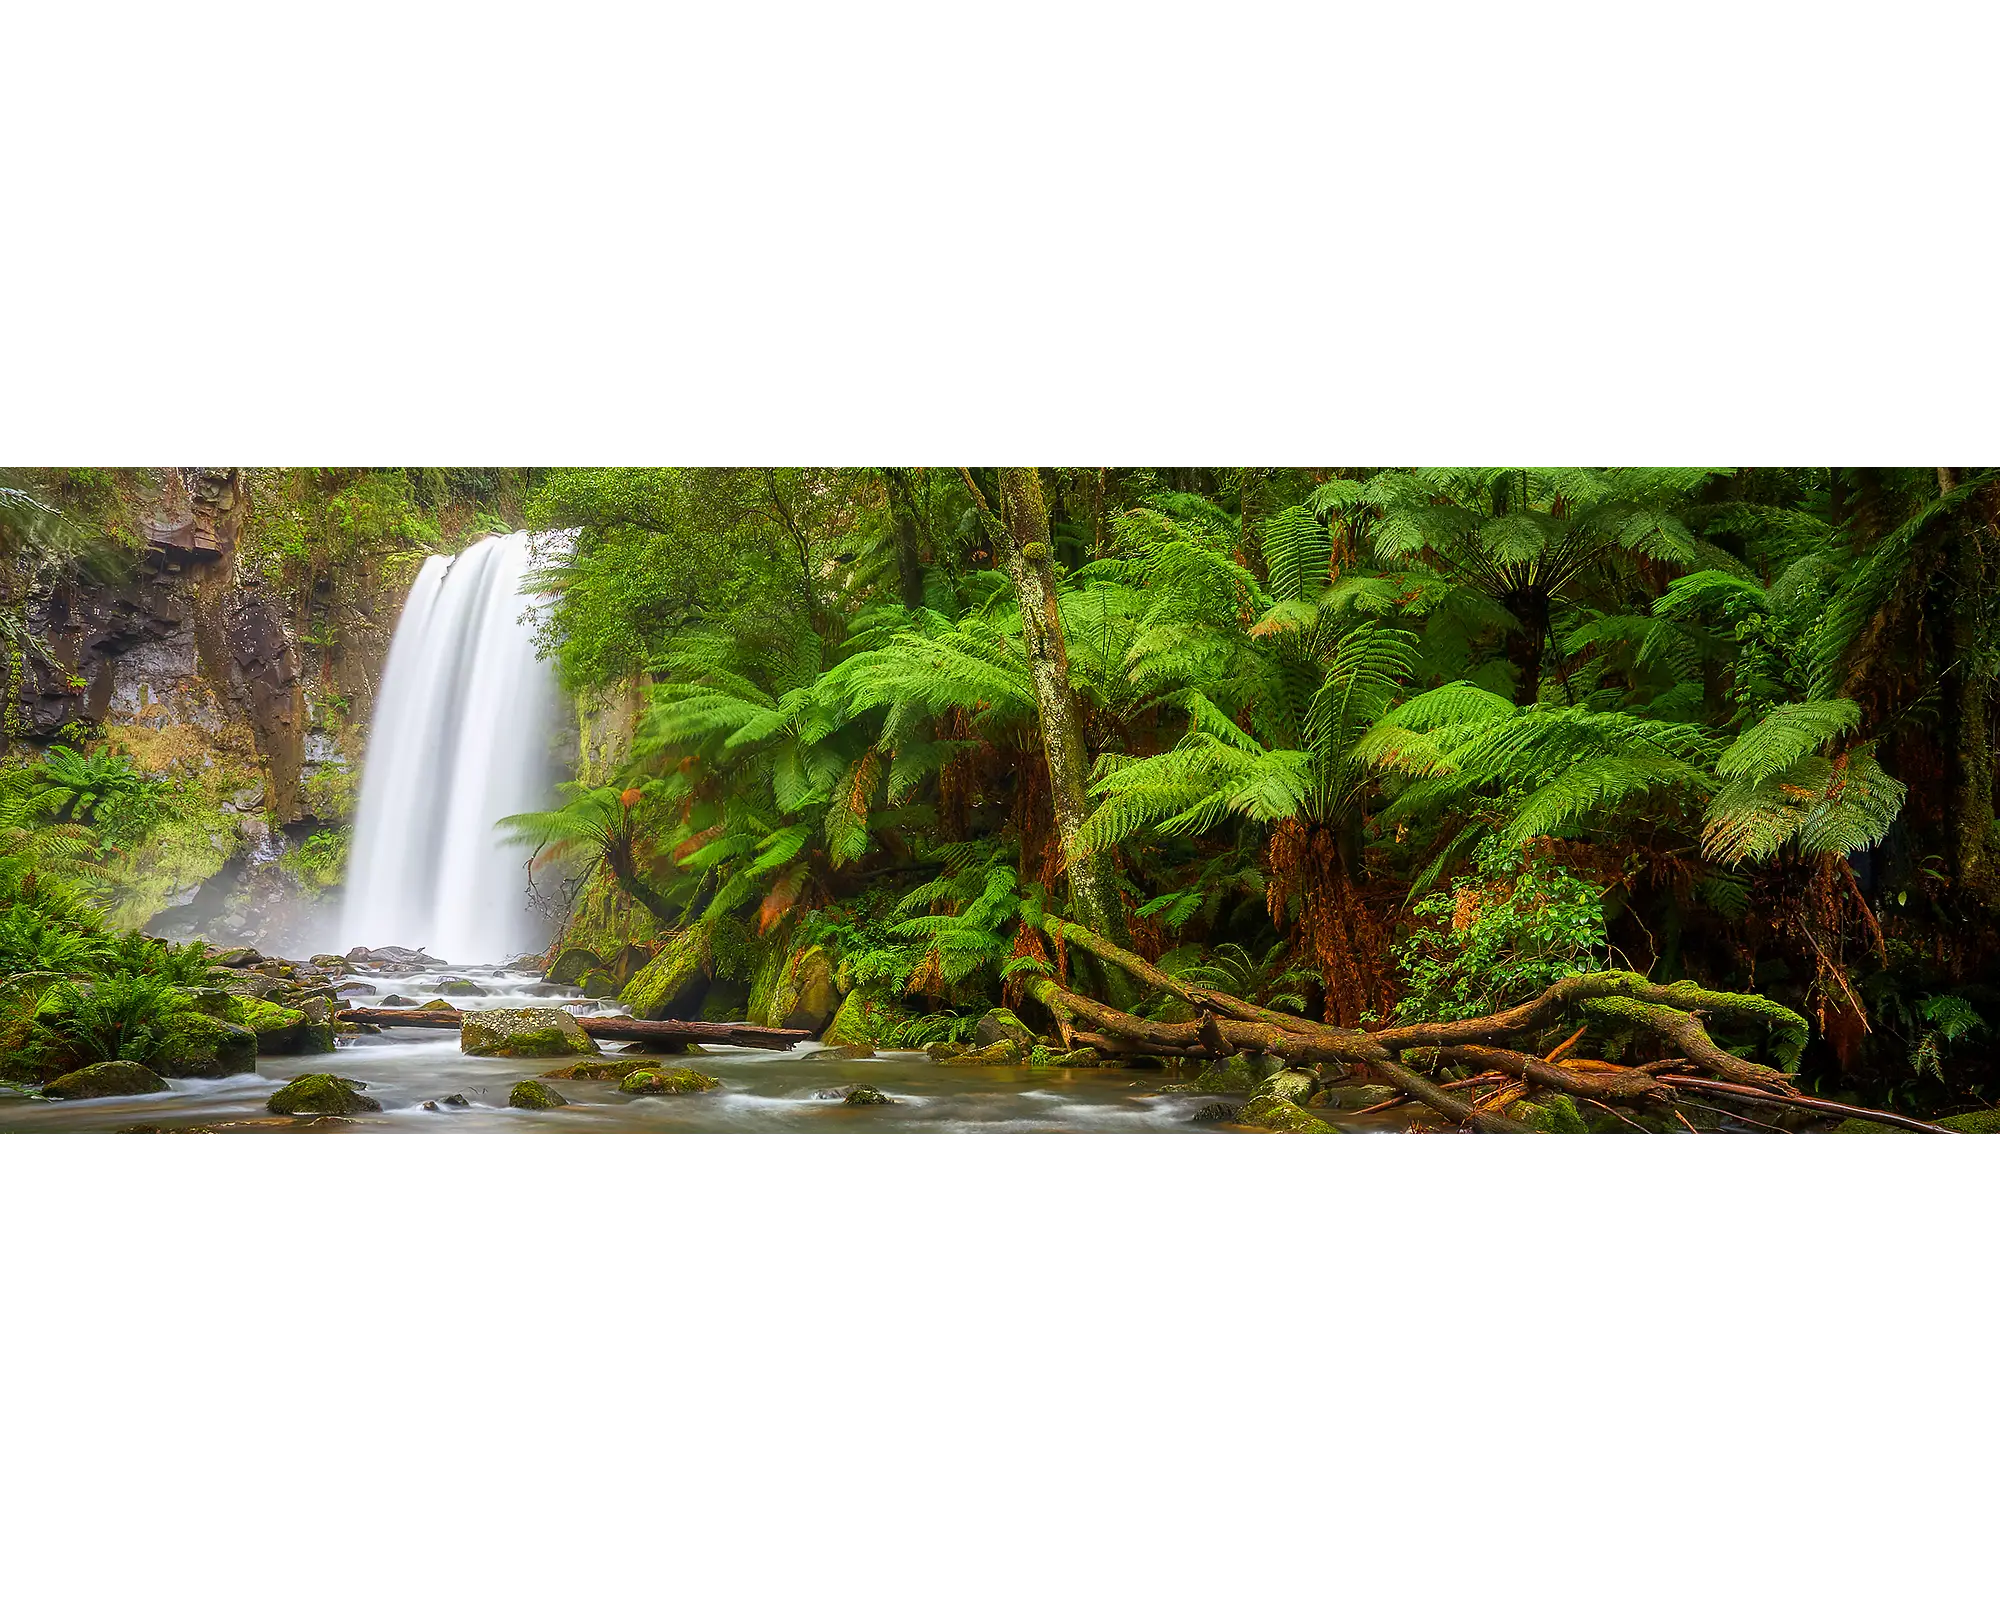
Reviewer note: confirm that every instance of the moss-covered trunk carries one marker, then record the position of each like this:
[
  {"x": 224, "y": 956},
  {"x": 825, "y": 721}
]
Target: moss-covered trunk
[
  {"x": 1969, "y": 684},
  {"x": 1023, "y": 538}
]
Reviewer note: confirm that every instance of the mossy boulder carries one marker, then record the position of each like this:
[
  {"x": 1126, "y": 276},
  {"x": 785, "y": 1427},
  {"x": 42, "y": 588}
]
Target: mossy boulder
[
  {"x": 195, "y": 1045},
  {"x": 1001, "y": 1024},
  {"x": 1234, "y": 1075},
  {"x": 463, "y": 987},
  {"x": 1297, "y": 1087},
  {"x": 1972, "y": 1122},
  {"x": 804, "y": 994},
  {"x": 437, "y": 1005},
  {"x": 596, "y": 1071},
  {"x": 1274, "y": 1115},
  {"x": 524, "y": 1031},
  {"x": 598, "y": 984},
  {"x": 1042, "y": 1056},
  {"x": 861, "y": 1094},
  {"x": 864, "y": 1018},
  {"x": 321, "y": 1094},
  {"x": 281, "y": 1030},
  {"x": 571, "y": 964},
  {"x": 668, "y": 1080},
  {"x": 672, "y": 985},
  {"x": 528, "y": 1095},
  {"x": 107, "y": 1078}
]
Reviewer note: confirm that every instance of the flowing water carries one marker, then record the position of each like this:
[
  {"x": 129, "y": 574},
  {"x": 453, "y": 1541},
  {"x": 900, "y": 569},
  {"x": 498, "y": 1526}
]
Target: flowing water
[
  {"x": 763, "y": 1091},
  {"x": 462, "y": 737}
]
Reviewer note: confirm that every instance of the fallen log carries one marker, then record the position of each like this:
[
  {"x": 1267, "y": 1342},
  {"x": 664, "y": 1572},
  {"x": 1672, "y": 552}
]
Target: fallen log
[
  {"x": 1801, "y": 1102},
  {"x": 626, "y": 1029}
]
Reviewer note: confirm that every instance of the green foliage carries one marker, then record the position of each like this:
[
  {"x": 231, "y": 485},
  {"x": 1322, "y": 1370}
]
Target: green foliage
[
  {"x": 1500, "y": 936},
  {"x": 319, "y": 864},
  {"x": 120, "y": 1017}
]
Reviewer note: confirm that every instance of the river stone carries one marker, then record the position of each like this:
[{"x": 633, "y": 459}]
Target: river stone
[
  {"x": 107, "y": 1078},
  {"x": 668, "y": 1080},
  {"x": 1297, "y": 1087},
  {"x": 241, "y": 956},
  {"x": 257, "y": 985},
  {"x": 1001, "y": 1023},
  {"x": 528, "y": 1095},
  {"x": 1274, "y": 1115},
  {"x": 571, "y": 964},
  {"x": 861, "y": 1094},
  {"x": 282, "y": 1030},
  {"x": 524, "y": 1031},
  {"x": 196, "y": 1046},
  {"x": 599, "y": 1071},
  {"x": 462, "y": 986},
  {"x": 437, "y": 1005},
  {"x": 321, "y": 1094}
]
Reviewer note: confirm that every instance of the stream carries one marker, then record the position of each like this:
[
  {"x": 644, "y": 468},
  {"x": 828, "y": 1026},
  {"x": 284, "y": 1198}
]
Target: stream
[{"x": 764, "y": 1091}]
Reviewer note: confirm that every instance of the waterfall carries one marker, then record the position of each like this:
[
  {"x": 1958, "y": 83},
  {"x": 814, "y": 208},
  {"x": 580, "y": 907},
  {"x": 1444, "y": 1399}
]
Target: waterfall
[{"x": 461, "y": 738}]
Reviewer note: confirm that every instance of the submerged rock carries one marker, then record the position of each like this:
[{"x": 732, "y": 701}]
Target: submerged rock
[
  {"x": 668, "y": 1080},
  {"x": 321, "y": 1094},
  {"x": 531, "y": 1095},
  {"x": 862, "y": 1094},
  {"x": 107, "y": 1078},
  {"x": 193, "y": 1045},
  {"x": 524, "y": 1031},
  {"x": 462, "y": 986}
]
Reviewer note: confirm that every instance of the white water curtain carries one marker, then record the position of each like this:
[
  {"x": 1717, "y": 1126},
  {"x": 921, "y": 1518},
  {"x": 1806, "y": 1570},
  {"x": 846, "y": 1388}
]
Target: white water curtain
[{"x": 461, "y": 738}]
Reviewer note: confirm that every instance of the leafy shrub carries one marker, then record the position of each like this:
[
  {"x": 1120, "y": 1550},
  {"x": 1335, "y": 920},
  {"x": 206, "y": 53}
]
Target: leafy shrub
[
  {"x": 118, "y": 1018},
  {"x": 1500, "y": 936},
  {"x": 138, "y": 955},
  {"x": 33, "y": 941},
  {"x": 320, "y": 862}
]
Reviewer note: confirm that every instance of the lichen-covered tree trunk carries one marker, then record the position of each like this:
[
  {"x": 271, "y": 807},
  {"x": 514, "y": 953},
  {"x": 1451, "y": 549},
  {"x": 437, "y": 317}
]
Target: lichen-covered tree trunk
[
  {"x": 1023, "y": 540},
  {"x": 1972, "y": 747}
]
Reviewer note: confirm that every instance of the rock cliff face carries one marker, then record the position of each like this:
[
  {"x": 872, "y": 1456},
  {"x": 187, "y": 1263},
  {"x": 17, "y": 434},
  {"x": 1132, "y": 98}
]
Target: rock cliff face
[{"x": 203, "y": 668}]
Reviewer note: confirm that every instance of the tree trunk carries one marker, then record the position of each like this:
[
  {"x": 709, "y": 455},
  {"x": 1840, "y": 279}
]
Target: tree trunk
[
  {"x": 1530, "y": 608},
  {"x": 909, "y": 558},
  {"x": 1972, "y": 745},
  {"x": 1023, "y": 540}
]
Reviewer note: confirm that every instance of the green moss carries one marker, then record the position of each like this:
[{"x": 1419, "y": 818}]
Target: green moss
[
  {"x": 321, "y": 1094},
  {"x": 1273, "y": 1115},
  {"x": 597, "y": 1071},
  {"x": 863, "y": 1018},
  {"x": 528, "y": 1095},
  {"x": 1861, "y": 1125},
  {"x": 1236, "y": 1075},
  {"x": 673, "y": 982},
  {"x": 668, "y": 1080},
  {"x": 280, "y": 1030},
  {"x": 107, "y": 1078},
  {"x": 804, "y": 994},
  {"x": 1285, "y": 1084},
  {"x": 865, "y": 1094},
  {"x": 1557, "y": 1114},
  {"x": 193, "y": 1045},
  {"x": 572, "y": 962},
  {"x": 1001, "y": 1023},
  {"x": 1972, "y": 1122},
  {"x": 524, "y": 1031}
]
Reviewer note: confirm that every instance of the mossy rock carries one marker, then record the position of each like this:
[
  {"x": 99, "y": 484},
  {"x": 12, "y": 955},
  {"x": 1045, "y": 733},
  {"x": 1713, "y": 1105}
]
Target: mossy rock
[
  {"x": 1972, "y": 1122},
  {"x": 804, "y": 994},
  {"x": 321, "y": 1094},
  {"x": 861, "y": 1094},
  {"x": 280, "y": 1030},
  {"x": 1274, "y": 1115},
  {"x": 463, "y": 987},
  {"x": 571, "y": 964},
  {"x": 595, "y": 1071},
  {"x": 1236, "y": 1075},
  {"x": 437, "y": 1005},
  {"x": 1001, "y": 1023},
  {"x": 1558, "y": 1114},
  {"x": 194, "y": 1045},
  {"x": 597, "y": 984},
  {"x": 528, "y": 1095},
  {"x": 726, "y": 1001},
  {"x": 1297, "y": 1087},
  {"x": 1041, "y": 1056},
  {"x": 672, "y": 985},
  {"x": 668, "y": 1080},
  {"x": 107, "y": 1078},
  {"x": 863, "y": 1018},
  {"x": 524, "y": 1031}
]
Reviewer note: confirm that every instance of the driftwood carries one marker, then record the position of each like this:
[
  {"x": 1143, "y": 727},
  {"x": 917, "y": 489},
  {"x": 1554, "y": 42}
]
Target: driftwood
[
  {"x": 1612, "y": 1005},
  {"x": 623, "y": 1028}
]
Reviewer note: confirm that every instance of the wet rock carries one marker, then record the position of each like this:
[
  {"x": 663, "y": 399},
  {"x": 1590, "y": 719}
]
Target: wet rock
[
  {"x": 241, "y": 956},
  {"x": 571, "y": 964},
  {"x": 321, "y": 1094},
  {"x": 1296, "y": 1087},
  {"x": 282, "y": 1030},
  {"x": 531, "y": 1095},
  {"x": 1001, "y": 1024},
  {"x": 354, "y": 986},
  {"x": 1359, "y": 1096},
  {"x": 397, "y": 1002},
  {"x": 462, "y": 986},
  {"x": 1274, "y": 1115},
  {"x": 107, "y": 1078},
  {"x": 257, "y": 985},
  {"x": 524, "y": 1031},
  {"x": 597, "y": 1071},
  {"x": 861, "y": 1094},
  {"x": 193, "y": 1045},
  {"x": 600, "y": 985},
  {"x": 1235, "y": 1075},
  {"x": 668, "y": 1080},
  {"x": 1214, "y": 1111}
]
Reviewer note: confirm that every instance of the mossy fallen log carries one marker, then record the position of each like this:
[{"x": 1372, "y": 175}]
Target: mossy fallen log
[{"x": 629, "y": 1029}]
